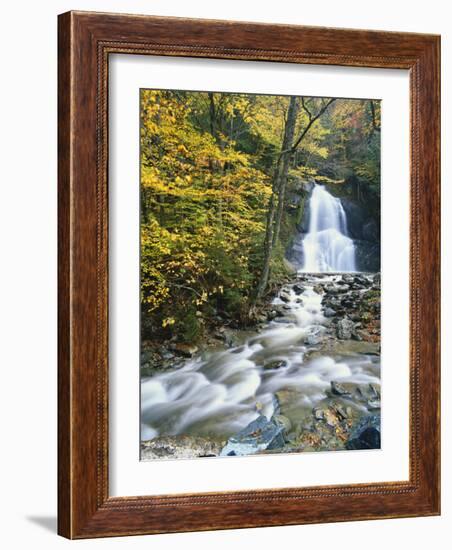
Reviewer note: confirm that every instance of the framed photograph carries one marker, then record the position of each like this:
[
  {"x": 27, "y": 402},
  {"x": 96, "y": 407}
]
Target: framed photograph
[{"x": 248, "y": 275}]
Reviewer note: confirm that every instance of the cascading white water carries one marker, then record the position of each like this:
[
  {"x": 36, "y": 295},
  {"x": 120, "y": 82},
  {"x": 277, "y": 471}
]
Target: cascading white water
[
  {"x": 221, "y": 392},
  {"x": 327, "y": 246}
]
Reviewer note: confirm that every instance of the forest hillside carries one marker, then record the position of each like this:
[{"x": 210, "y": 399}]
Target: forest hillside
[{"x": 225, "y": 180}]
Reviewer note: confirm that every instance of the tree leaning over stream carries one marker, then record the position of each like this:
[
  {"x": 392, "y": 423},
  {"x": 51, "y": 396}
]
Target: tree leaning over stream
[{"x": 276, "y": 203}]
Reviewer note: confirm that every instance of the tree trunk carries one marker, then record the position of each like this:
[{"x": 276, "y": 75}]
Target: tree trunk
[
  {"x": 279, "y": 181},
  {"x": 268, "y": 243},
  {"x": 287, "y": 154},
  {"x": 275, "y": 206}
]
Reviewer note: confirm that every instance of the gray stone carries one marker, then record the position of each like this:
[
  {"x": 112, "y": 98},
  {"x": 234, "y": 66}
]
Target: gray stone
[
  {"x": 260, "y": 435},
  {"x": 179, "y": 446},
  {"x": 284, "y": 296},
  {"x": 366, "y": 434},
  {"x": 283, "y": 421},
  {"x": 187, "y": 350},
  {"x": 345, "y": 329},
  {"x": 329, "y": 312},
  {"x": 313, "y": 339},
  {"x": 275, "y": 364},
  {"x": 318, "y": 414},
  {"x": 298, "y": 289},
  {"x": 338, "y": 389}
]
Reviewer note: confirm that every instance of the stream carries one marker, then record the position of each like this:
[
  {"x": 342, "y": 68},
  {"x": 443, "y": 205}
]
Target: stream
[
  {"x": 220, "y": 393},
  {"x": 285, "y": 362}
]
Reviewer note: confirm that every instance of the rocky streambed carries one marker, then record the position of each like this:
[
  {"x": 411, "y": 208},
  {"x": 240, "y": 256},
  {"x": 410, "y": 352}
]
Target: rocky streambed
[{"x": 307, "y": 378}]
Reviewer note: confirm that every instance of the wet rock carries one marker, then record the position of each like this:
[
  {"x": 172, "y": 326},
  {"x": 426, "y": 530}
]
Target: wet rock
[
  {"x": 330, "y": 417},
  {"x": 187, "y": 350},
  {"x": 146, "y": 356},
  {"x": 279, "y": 311},
  {"x": 283, "y": 421},
  {"x": 369, "y": 395},
  {"x": 282, "y": 320},
  {"x": 329, "y": 312},
  {"x": 272, "y": 314},
  {"x": 234, "y": 337},
  {"x": 366, "y": 435},
  {"x": 298, "y": 289},
  {"x": 341, "y": 413},
  {"x": 314, "y": 335},
  {"x": 261, "y": 317},
  {"x": 313, "y": 339},
  {"x": 179, "y": 446},
  {"x": 338, "y": 389},
  {"x": 275, "y": 365},
  {"x": 318, "y": 289},
  {"x": 374, "y": 392},
  {"x": 318, "y": 414},
  {"x": 331, "y": 289},
  {"x": 260, "y": 435},
  {"x": 345, "y": 329},
  {"x": 355, "y": 317},
  {"x": 146, "y": 370},
  {"x": 284, "y": 296}
]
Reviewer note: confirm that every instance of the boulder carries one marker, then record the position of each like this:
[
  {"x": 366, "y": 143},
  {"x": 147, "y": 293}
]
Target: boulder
[
  {"x": 298, "y": 289},
  {"x": 329, "y": 312},
  {"x": 284, "y": 296},
  {"x": 314, "y": 336},
  {"x": 275, "y": 365},
  {"x": 366, "y": 435},
  {"x": 187, "y": 350},
  {"x": 345, "y": 329},
  {"x": 260, "y": 435},
  {"x": 179, "y": 446}
]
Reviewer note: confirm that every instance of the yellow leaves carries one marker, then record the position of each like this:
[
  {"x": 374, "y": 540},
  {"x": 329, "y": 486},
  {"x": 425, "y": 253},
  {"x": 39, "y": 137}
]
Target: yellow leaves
[
  {"x": 181, "y": 149},
  {"x": 168, "y": 322},
  {"x": 202, "y": 298},
  {"x": 230, "y": 109},
  {"x": 206, "y": 230},
  {"x": 150, "y": 177}
]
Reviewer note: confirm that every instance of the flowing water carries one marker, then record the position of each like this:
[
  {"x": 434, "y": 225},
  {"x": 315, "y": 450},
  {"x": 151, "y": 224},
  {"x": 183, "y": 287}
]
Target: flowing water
[
  {"x": 221, "y": 392},
  {"x": 326, "y": 247}
]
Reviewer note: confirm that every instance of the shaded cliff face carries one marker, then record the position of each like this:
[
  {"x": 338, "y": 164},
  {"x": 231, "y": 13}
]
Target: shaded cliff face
[
  {"x": 362, "y": 226},
  {"x": 365, "y": 232}
]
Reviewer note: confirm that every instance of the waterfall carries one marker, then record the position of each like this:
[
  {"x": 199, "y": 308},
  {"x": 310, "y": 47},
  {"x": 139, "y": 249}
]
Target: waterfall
[{"x": 327, "y": 246}]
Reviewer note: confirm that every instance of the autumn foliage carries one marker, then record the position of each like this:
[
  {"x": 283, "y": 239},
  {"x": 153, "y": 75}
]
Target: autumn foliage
[{"x": 207, "y": 177}]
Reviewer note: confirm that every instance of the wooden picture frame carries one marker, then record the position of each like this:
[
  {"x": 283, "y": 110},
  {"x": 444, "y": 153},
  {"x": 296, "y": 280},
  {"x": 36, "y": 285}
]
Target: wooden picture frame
[{"x": 86, "y": 40}]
